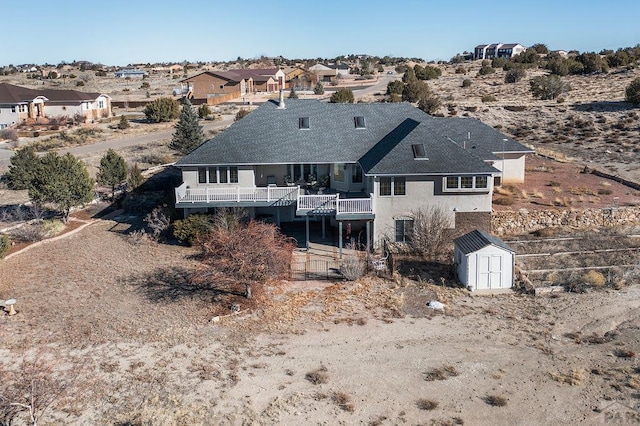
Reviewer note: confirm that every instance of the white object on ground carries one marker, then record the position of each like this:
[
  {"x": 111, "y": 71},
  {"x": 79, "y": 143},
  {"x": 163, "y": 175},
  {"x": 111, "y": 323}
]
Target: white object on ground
[
  {"x": 10, "y": 304},
  {"x": 434, "y": 304}
]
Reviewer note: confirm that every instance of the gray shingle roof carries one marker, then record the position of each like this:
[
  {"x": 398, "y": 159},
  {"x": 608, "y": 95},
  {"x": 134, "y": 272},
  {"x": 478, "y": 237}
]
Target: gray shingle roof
[
  {"x": 270, "y": 135},
  {"x": 476, "y": 240}
]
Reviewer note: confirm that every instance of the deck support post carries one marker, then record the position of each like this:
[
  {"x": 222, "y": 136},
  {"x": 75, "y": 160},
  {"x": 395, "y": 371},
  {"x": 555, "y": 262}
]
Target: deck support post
[
  {"x": 323, "y": 232},
  {"x": 307, "y": 223},
  {"x": 368, "y": 236},
  {"x": 340, "y": 239}
]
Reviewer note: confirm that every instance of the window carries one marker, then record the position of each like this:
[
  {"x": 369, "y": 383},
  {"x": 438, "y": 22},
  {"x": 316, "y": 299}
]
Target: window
[
  {"x": 338, "y": 172},
  {"x": 222, "y": 175},
  {"x": 13, "y": 108},
  {"x": 202, "y": 175},
  {"x": 419, "y": 151},
  {"x": 393, "y": 186},
  {"x": 100, "y": 104},
  {"x": 359, "y": 122},
  {"x": 399, "y": 186},
  {"x": 481, "y": 182},
  {"x": 356, "y": 173},
  {"x": 404, "y": 230},
  {"x": 233, "y": 175},
  {"x": 303, "y": 123},
  {"x": 466, "y": 183},
  {"x": 385, "y": 186},
  {"x": 221, "y": 86},
  {"x": 217, "y": 175}
]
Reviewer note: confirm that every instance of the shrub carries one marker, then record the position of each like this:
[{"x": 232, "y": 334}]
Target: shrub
[
  {"x": 318, "y": 376},
  {"x": 427, "y": 404},
  {"x": 429, "y": 104},
  {"x": 145, "y": 85},
  {"x": 466, "y": 82},
  {"x": 123, "y": 123},
  {"x": 189, "y": 230},
  {"x": 633, "y": 92},
  {"x": 461, "y": 70},
  {"x": 162, "y": 109},
  {"x": 9, "y": 134},
  {"x": 158, "y": 222},
  {"x": 343, "y": 96},
  {"x": 594, "y": 278},
  {"x": 343, "y": 400},
  {"x": 293, "y": 94},
  {"x": 486, "y": 68},
  {"x": 488, "y": 98},
  {"x": 319, "y": 89},
  {"x": 5, "y": 245},
  {"x": 515, "y": 75},
  {"x": 79, "y": 83},
  {"x": 415, "y": 90},
  {"x": 242, "y": 113},
  {"x": 495, "y": 400},
  {"x": 204, "y": 111},
  {"x": 353, "y": 266},
  {"x": 548, "y": 87},
  {"x": 395, "y": 86}
]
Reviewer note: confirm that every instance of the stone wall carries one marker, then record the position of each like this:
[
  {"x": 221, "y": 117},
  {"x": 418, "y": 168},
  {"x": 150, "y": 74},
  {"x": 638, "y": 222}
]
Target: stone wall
[{"x": 522, "y": 221}]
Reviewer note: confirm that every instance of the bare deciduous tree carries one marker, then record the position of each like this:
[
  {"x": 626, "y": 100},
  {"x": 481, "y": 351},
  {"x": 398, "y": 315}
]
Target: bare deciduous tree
[
  {"x": 430, "y": 238},
  {"x": 33, "y": 389},
  {"x": 245, "y": 253}
]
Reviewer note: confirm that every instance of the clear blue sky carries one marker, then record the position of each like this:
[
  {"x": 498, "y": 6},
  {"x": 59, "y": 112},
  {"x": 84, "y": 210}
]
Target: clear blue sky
[{"x": 116, "y": 32}]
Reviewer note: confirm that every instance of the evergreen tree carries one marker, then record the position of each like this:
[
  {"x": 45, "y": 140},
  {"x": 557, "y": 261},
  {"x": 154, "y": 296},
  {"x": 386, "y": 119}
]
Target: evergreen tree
[
  {"x": 188, "y": 134},
  {"x": 123, "y": 123},
  {"x": 632, "y": 92},
  {"x": 162, "y": 109},
  {"x": 63, "y": 181},
  {"x": 135, "y": 178},
  {"x": 293, "y": 94},
  {"x": 342, "y": 96},
  {"x": 24, "y": 165},
  {"x": 319, "y": 89},
  {"x": 112, "y": 170}
]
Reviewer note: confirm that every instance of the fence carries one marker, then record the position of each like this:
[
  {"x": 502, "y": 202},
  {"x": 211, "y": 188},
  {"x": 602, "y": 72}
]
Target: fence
[{"x": 314, "y": 270}]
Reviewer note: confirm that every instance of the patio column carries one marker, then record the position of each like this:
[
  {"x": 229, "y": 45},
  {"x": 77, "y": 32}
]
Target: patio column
[
  {"x": 340, "y": 239},
  {"x": 368, "y": 236},
  {"x": 323, "y": 234},
  {"x": 307, "y": 223}
]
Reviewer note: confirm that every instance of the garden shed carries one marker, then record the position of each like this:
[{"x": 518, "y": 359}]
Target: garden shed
[{"x": 483, "y": 262}]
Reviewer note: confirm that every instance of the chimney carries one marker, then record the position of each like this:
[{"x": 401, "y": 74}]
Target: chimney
[{"x": 281, "y": 103}]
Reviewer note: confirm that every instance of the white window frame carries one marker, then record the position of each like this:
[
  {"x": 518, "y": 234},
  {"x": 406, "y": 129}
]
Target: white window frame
[
  {"x": 393, "y": 186},
  {"x": 474, "y": 185}
]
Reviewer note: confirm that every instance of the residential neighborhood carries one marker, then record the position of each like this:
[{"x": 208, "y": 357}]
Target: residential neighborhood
[{"x": 328, "y": 214}]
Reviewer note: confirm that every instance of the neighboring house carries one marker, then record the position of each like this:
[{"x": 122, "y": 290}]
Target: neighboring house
[
  {"x": 483, "y": 262},
  {"x": 294, "y": 77},
  {"x": 370, "y": 165},
  {"x": 18, "y": 104},
  {"x": 323, "y": 72},
  {"x": 220, "y": 86},
  {"x": 497, "y": 50},
  {"x": 130, "y": 72}
]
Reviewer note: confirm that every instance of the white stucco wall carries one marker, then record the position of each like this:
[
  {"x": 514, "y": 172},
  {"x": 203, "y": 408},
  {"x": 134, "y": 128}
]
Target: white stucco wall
[
  {"x": 423, "y": 193},
  {"x": 513, "y": 165},
  {"x": 7, "y": 118}
]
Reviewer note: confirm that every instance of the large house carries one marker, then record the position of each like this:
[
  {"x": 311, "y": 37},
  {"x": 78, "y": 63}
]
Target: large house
[
  {"x": 367, "y": 165},
  {"x": 497, "y": 50},
  {"x": 215, "y": 87},
  {"x": 18, "y": 104}
]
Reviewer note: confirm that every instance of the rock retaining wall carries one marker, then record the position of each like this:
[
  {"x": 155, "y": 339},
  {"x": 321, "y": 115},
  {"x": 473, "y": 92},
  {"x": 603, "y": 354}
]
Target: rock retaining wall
[{"x": 522, "y": 221}]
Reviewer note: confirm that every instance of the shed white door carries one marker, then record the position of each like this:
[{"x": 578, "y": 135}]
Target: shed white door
[{"x": 489, "y": 271}]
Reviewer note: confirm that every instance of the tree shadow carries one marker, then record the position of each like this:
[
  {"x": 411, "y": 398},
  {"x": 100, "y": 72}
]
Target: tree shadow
[
  {"x": 171, "y": 284},
  {"x": 436, "y": 272},
  {"x": 603, "y": 106}
]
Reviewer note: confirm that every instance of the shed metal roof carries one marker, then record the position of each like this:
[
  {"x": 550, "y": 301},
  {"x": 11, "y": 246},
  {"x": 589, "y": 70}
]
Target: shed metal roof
[{"x": 476, "y": 240}]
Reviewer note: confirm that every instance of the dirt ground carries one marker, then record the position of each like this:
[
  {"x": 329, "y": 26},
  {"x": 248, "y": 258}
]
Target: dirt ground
[{"x": 140, "y": 349}]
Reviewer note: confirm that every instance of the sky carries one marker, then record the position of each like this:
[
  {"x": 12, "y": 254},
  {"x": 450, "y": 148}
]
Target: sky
[{"x": 116, "y": 32}]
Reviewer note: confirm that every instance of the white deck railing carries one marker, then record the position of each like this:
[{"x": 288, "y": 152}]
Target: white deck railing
[
  {"x": 320, "y": 203},
  {"x": 235, "y": 194},
  {"x": 335, "y": 203}
]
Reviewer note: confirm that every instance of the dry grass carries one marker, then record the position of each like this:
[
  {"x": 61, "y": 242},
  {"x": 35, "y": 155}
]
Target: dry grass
[
  {"x": 318, "y": 376},
  {"x": 442, "y": 373},
  {"x": 344, "y": 401},
  {"x": 426, "y": 404},
  {"x": 573, "y": 377},
  {"x": 495, "y": 400}
]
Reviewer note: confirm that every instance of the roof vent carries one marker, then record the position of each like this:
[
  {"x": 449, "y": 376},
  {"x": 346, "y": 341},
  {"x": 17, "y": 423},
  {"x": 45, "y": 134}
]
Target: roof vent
[
  {"x": 303, "y": 123},
  {"x": 359, "y": 122},
  {"x": 281, "y": 102}
]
